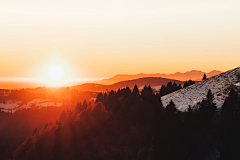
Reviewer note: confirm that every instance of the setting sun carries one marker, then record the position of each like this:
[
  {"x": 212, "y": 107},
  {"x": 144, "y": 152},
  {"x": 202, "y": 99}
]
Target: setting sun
[{"x": 56, "y": 73}]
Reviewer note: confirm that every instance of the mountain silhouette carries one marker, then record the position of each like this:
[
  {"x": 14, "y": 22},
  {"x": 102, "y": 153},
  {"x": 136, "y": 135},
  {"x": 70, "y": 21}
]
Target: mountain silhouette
[
  {"x": 193, "y": 75},
  {"x": 140, "y": 82}
]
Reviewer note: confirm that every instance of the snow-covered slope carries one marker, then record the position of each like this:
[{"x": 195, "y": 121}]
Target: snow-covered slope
[{"x": 219, "y": 85}]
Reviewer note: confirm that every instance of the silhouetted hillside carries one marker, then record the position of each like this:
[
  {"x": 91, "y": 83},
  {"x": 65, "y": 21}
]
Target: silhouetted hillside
[
  {"x": 193, "y": 75},
  {"x": 152, "y": 81},
  {"x": 127, "y": 124}
]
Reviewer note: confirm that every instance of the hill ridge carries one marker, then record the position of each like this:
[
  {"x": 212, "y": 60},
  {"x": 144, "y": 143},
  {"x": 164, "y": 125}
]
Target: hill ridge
[
  {"x": 152, "y": 81},
  {"x": 193, "y": 74},
  {"x": 220, "y": 85}
]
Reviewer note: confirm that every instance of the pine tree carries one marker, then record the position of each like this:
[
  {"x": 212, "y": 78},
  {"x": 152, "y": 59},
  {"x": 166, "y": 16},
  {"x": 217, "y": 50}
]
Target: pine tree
[
  {"x": 185, "y": 84},
  {"x": 204, "y": 77},
  {"x": 84, "y": 104},
  {"x": 210, "y": 97},
  {"x": 190, "y": 82},
  {"x": 145, "y": 87},
  {"x": 63, "y": 116},
  {"x": 70, "y": 116},
  {"x": 189, "y": 109},
  {"x": 230, "y": 127},
  {"x": 78, "y": 108},
  {"x": 207, "y": 109},
  {"x": 179, "y": 86},
  {"x": 149, "y": 90},
  {"x": 128, "y": 91},
  {"x": 175, "y": 86},
  {"x": 99, "y": 97},
  {"x": 171, "y": 107},
  {"x": 162, "y": 91},
  {"x": 144, "y": 91},
  {"x": 135, "y": 90},
  {"x": 230, "y": 105}
]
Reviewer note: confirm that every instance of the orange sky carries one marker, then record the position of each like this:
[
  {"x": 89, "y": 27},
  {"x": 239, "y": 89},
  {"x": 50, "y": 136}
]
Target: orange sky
[{"x": 98, "y": 39}]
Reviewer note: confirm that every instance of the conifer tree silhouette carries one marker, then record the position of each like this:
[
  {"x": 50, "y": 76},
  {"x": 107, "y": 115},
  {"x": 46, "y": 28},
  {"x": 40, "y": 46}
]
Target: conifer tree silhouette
[{"x": 204, "y": 77}]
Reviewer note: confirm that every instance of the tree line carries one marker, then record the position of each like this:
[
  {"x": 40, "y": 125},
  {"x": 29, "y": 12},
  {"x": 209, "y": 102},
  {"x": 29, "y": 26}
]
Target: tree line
[{"x": 127, "y": 124}]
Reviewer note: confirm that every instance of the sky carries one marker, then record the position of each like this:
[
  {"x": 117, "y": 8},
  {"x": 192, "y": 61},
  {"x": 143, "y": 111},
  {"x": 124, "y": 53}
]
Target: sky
[{"x": 99, "y": 39}]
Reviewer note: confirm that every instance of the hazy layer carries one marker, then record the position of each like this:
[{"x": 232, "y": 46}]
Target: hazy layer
[{"x": 105, "y": 38}]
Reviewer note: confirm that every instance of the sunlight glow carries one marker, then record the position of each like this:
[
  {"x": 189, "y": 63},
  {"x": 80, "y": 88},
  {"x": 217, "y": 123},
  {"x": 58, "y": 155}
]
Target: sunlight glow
[{"x": 56, "y": 73}]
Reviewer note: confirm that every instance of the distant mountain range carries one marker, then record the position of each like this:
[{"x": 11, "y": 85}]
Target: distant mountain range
[
  {"x": 193, "y": 75},
  {"x": 220, "y": 86},
  {"x": 140, "y": 82}
]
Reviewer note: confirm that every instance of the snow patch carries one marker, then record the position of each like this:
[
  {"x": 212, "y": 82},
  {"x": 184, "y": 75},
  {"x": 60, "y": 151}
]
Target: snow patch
[
  {"x": 156, "y": 88},
  {"x": 237, "y": 84},
  {"x": 220, "y": 85},
  {"x": 41, "y": 103}
]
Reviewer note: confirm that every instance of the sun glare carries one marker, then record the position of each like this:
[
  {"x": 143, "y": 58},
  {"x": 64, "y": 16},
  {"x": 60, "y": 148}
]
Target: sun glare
[{"x": 56, "y": 73}]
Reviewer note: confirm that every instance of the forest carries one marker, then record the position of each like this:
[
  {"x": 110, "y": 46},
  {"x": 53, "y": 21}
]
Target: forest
[{"x": 129, "y": 124}]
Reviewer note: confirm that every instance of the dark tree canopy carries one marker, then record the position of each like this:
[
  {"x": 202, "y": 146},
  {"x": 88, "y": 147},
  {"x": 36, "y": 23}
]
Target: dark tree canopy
[
  {"x": 124, "y": 124},
  {"x": 171, "y": 87},
  {"x": 207, "y": 108},
  {"x": 188, "y": 83},
  {"x": 99, "y": 97},
  {"x": 171, "y": 108},
  {"x": 135, "y": 90},
  {"x": 204, "y": 77},
  {"x": 230, "y": 127}
]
